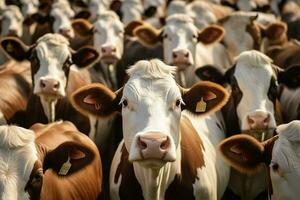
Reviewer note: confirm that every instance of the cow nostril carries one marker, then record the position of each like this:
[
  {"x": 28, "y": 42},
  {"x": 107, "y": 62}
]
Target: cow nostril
[
  {"x": 56, "y": 85},
  {"x": 186, "y": 55},
  {"x": 103, "y": 50},
  {"x": 165, "y": 144},
  {"x": 113, "y": 49},
  {"x": 174, "y": 55},
  {"x": 42, "y": 84},
  {"x": 142, "y": 145},
  {"x": 267, "y": 119}
]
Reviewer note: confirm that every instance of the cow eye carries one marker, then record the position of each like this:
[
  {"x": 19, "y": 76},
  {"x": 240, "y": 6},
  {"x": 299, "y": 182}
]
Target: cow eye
[
  {"x": 195, "y": 36},
  {"x": 275, "y": 167},
  {"x": 165, "y": 36},
  {"x": 178, "y": 103},
  {"x": 124, "y": 103}
]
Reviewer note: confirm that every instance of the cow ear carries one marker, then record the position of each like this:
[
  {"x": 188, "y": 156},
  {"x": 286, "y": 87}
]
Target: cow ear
[
  {"x": 210, "y": 73},
  {"x": 84, "y": 14},
  {"x": 82, "y": 27},
  {"x": 204, "y": 98},
  {"x": 96, "y": 100},
  {"x": 68, "y": 158},
  {"x": 129, "y": 29},
  {"x": 274, "y": 30},
  {"x": 15, "y": 48},
  {"x": 85, "y": 56},
  {"x": 211, "y": 34},
  {"x": 290, "y": 77},
  {"x": 242, "y": 152},
  {"x": 149, "y": 36}
]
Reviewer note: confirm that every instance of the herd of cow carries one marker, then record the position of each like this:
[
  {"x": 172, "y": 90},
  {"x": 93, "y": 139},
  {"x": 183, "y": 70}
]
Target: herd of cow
[{"x": 149, "y": 99}]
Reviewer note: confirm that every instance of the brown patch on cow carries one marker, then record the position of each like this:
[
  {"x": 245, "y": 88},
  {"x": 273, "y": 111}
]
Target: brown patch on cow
[
  {"x": 211, "y": 34},
  {"x": 15, "y": 48},
  {"x": 34, "y": 185},
  {"x": 253, "y": 29},
  {"x": 97, "y": 100},
  {"x": 204, "y": 89},
  {"x": 16, "y": 86},
  {"x": 192, "y": 158},
  {"x": 126, "y": 172},
  {"x": 276, "y": 33},
  {"x": 243, "y": 152},
  {"x": 82, "y": 27},
  {"x": 86, "y": 182},
  {"x": 85, "y": 56},
  {"x": 147, "y": 35}
]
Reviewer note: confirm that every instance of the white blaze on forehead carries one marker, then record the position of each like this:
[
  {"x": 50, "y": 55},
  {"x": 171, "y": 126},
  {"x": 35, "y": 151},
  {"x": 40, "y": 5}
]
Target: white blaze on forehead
[
  {"x": 109, "y": 30},
  {"x": 12, "y": 19},
  {"x": 286, "y": 155},
  {"x": 17, "y": 157},
  {"x": 151, "y": 93},
  {"x": 62, "y": 13},
  {"x": 52, "y": 51},
  {"x": 253, "y": 73}
]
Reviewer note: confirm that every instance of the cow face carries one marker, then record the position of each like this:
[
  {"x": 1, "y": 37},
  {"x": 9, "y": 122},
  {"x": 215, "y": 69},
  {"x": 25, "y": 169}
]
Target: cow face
[
  {"x": 22, "y": 167},
  {"x": 180, "y": 37},
  {"x": 151, "y": 104},
  {"x": 108, "y": 34},
  {"x": 253, "y": 81},
  {"x": 280, "y": 154},
  {"x": 51, "y": 59},
  {"x": 59, "y": 18},
  {"x": 29, "y": 7},
  {"x": 11, "y": 21}
]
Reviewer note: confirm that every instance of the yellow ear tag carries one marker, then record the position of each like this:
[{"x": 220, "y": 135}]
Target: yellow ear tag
[
  {"x": 65, "y": 168},
  {"x": 201, "y": 106},
  {"x": 9, "y": 47}
]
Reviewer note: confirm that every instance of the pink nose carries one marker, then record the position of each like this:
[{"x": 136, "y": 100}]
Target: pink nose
[
  {"x": 108, "y": 50},
  {"x": 49, "y": 86},
  {"x": 153, "y": 145},
  {"x": 181, "y": 56},
  {"x": 258, "y": 120}
]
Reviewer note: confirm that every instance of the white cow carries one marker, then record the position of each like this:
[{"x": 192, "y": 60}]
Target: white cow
[
  {"x": 185, "y": 46},
  {"x": 280, "y": 154},
  {"x": 163, "y": 155}
]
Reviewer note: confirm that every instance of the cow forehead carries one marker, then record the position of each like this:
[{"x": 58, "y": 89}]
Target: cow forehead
[
  {"x": 177, "y": 28},
  {"x": 110, "y": 23},
  {"x": 13, "y": 12},
  {"x": 62, "y": 7}
]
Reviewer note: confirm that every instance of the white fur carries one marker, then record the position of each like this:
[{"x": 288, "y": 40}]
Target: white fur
[
  {"x": 285, "y": 153},
  {"x": 12, "y": 19},
  {"x": 17, "y": 157},
  {"x": 29, "y": 7},
  {"x": 151, "y": 93},
  {"x": 97, "y": 7},
  {"x": 132, "y": 11},
  {"x": 289, "y": 100}
]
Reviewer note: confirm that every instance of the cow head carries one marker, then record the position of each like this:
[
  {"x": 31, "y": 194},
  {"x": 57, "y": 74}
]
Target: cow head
[
  {"x": 151, "y": 104},
  {"x": 29, "y": 7},
  {"x": 254, "y": 90},
  {"x": 11, "y": 21},
  {"x": 59, "y": 18},
  {"x": 23, "y": 164},
  {"x": 280, "y": 154},
  {"x": 179, "y": 37},
  {"x": 131, "y": 11},
  {"x": 51, "y": 59},
  {"x": 108, "y": 34}
]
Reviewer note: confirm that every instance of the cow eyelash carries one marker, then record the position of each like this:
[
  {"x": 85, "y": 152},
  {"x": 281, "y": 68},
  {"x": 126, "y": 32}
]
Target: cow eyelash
[
  {"x": 179, "y": 102},
  {"x": 124, "y": 102},
  {"x": 165, "y": 36}
]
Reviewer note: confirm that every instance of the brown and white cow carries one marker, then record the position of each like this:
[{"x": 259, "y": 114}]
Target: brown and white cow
[
  {"x": 279, "y": 154},
  {"x": 32, "y": 163},
  {"x": 287, "y": 57},
  {"x": 54, "y": 76},
  {"x": 163, "y": 155},
  {"x": 15, "y": 85},
  {"x": 185, "y": 46},
  {"x": 253, "y": 106}
]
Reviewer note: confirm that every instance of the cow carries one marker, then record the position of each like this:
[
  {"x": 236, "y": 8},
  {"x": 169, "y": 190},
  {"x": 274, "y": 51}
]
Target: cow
[
  {"x": 16, "y": 88},
  {"x": 287, "y": 57},
  {"x": 53, "y": 161},
  {"x": 54, "y": 77},
  {"x": 280, "y": 154},
  {"x": 163, "y": 155},
  {"x": 57, "y": 20},
  {"x": 185, "y": 46},
  {"x": 253, "y": 106}
]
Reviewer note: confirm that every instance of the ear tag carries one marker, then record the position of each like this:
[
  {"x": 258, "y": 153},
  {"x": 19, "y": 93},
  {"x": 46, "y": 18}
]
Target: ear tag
[
  {"x": 9, "y": 47},
  {"x": 97, "y": 106},
  {"x": 65, "y": 168},
  {"x": 201, "y": 106}
]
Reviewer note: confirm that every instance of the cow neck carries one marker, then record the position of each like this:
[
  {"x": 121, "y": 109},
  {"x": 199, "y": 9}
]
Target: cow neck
[
  {"x": 49, "y": 108},
  {"x": 110, "y": 72},
  {"x": 155, "y": 182}
]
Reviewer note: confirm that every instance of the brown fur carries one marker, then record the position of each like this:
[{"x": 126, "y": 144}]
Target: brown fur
[
  {"x": 147, "y": 35},
  {"x": 86, "y": 182},
  {"x": 211, "y": 34},
  {"x": 82, "y": 27},
  {"x": 129, "y": 29},
  {"x": 242, "y": 152},
  {"x": 15, "y": 85}
]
